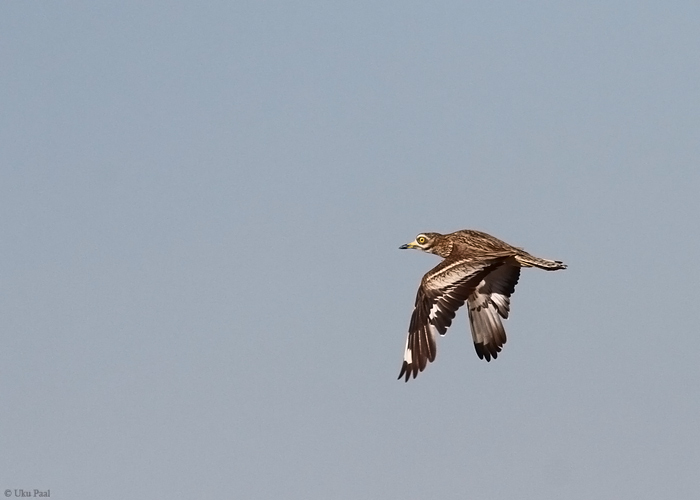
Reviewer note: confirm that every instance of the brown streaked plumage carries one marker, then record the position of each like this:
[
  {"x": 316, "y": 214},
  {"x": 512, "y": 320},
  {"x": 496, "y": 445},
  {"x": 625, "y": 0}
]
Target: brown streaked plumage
[{"x": 477, "y": 269}]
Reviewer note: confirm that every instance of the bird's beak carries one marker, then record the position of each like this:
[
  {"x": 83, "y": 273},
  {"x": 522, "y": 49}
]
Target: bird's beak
[{"x": 413, "y": 244}]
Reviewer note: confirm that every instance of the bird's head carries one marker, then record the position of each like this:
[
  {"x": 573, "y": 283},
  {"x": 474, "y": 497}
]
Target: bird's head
[{"x": 424, "y": 241}]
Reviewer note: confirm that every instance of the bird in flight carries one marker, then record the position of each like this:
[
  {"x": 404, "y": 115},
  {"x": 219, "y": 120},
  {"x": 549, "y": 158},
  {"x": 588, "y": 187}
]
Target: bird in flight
[{"x": 477, "y": 269}]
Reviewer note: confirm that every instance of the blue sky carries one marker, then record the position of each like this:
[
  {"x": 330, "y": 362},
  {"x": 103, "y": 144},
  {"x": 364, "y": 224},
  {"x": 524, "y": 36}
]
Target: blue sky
[{"x": 202, "y": 208}]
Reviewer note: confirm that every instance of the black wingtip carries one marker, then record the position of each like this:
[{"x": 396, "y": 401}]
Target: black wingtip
[
  {"x": 487, "y": 351},
  {"x": 408, "y": 370}
]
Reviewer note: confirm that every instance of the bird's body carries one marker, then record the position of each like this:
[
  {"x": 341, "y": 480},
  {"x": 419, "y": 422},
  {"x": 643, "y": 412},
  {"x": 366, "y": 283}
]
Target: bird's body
[{"x": 477, "y": 269}]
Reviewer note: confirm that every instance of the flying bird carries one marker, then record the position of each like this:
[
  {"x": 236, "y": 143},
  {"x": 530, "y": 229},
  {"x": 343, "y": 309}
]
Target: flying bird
[{"x": 477, "y": 269}]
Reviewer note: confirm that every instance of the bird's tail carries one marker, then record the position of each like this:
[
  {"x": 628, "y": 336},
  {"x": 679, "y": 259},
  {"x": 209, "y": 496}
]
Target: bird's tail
[{"x": 527, "y": 260}]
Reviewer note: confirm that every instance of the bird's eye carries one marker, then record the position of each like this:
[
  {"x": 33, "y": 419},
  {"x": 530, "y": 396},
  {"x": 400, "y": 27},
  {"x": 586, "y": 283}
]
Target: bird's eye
[{"x": 421, "y": 240}]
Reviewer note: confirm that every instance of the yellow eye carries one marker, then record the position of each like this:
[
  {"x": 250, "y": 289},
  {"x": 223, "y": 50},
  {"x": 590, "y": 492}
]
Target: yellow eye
[{"x": 421, "y": 240}]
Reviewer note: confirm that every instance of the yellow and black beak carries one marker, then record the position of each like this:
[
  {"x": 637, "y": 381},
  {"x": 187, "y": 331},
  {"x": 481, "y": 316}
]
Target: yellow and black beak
[{"x": 413, "y": 244}]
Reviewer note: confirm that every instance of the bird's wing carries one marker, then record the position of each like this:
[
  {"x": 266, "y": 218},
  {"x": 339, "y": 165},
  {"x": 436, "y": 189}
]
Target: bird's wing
[
  {"x": 442, "y": 291},
  {"x": 487, "y": 304}
]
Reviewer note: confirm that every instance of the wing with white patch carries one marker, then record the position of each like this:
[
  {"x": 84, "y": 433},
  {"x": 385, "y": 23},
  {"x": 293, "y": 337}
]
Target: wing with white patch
[
  {"x": 441, "y": 293},
  {"x": 487, "y": 304}
]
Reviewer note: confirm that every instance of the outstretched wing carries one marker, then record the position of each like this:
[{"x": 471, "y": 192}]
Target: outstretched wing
[
  {"x": 442, "y": 291},
  {"x": 487, "y": 304}
]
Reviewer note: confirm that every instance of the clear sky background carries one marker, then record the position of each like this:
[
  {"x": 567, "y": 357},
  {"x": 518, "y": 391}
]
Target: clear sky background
[{"x": 202, "y": 292}]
